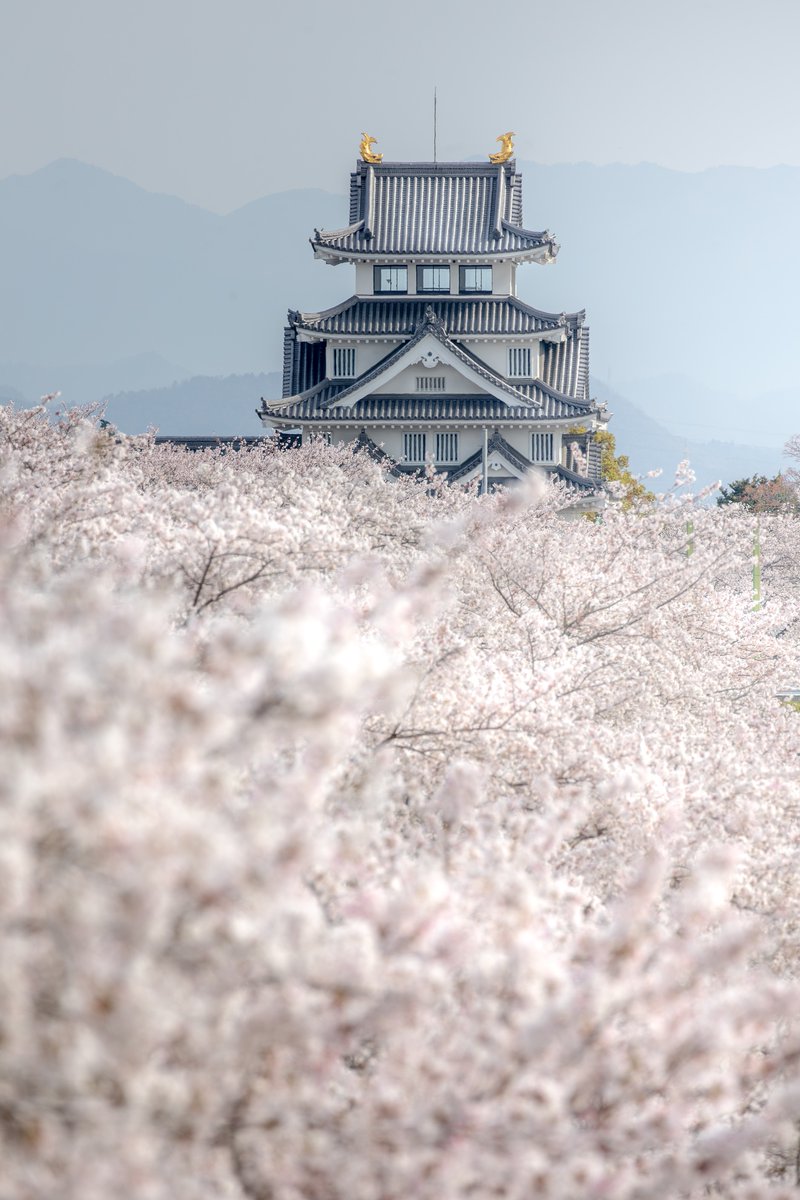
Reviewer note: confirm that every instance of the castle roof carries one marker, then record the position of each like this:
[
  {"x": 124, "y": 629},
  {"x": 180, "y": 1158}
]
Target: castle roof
[
  {"x": 463, "y": 316},
  {"x": 435, "y": 209},
  {"x": 318, "y": 404}
]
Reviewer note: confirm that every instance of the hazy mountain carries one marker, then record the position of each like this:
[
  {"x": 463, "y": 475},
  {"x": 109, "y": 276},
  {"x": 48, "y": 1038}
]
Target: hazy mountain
[
  {"x": 199, "y": 406},
  {"x": 693, "y": 274},
  {"x": 691, "y": 409},
  {"x": 650, "y": 446},
  {"x": 97, "y": 269},
  {"x": 87, "y": 384}
]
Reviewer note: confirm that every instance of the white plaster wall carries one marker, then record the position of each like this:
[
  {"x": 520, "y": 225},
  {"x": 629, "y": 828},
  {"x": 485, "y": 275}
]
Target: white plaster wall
[
  {"x": 365, "y": 279},
  {"x": 504, "y": 281},
  {"x": 495, "y": 354},
  {"x": 405, "y": 382},
  {"x": 520, "y": 438},
  {"x": 367, "y": 353}
]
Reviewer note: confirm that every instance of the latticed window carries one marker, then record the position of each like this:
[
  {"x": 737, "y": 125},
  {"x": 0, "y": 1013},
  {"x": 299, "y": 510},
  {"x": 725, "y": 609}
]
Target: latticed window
[
  {"x": 541, "y": 447},
  {"x": 430, "y": 383},
  {"x": 344, "y": 363},
  {"x": 447, "y": 447},
  {"x": 519, "y": 360},
  {"x": 414, "y": 447}
]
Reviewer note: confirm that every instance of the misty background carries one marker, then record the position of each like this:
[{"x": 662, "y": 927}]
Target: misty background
[{"x": 165, "y": 165}]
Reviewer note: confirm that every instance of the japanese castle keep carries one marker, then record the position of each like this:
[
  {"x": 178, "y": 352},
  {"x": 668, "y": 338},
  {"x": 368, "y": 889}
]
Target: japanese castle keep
[{"x": 434, "y": 359}]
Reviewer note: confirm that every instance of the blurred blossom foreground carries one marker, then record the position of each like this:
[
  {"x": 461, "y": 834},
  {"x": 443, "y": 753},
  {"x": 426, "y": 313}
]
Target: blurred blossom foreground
[{"x": 364, "y": 839}]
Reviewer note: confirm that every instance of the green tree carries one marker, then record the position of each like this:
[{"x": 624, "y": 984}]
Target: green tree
[
  {"x": 615, "y": 468},
  {"x": 760, "y": 494}
]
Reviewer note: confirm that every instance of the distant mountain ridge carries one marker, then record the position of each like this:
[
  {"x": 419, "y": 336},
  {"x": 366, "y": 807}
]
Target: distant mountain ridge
[
  {"x": 200, "y": 406},
  {"x": 86, "y": 383},
  {"x": 97, "y": 269},
  {"x": 650, "y": 446}
]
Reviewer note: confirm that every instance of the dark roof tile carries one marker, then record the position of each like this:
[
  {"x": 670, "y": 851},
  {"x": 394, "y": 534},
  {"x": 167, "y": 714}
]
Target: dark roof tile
[{"x": 462, "y": 316}]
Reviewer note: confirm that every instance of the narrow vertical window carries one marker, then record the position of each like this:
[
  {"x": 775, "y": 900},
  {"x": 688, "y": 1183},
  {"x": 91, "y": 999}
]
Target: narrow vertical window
[
  {"x": 344, "y": 362},
  {"x": 541, "y": 447},
  {"x": 447, "y": 447},
  {"x": 519, "y": 361},
  {"x": 414, "y": 447}
]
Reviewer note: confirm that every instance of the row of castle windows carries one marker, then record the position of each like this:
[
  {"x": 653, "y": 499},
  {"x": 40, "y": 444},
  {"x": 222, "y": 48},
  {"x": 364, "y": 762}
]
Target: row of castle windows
[
  {"x": 520, "y": 365},
  {"x": 445, "y": 447},
  {"x": 434, "y": 280}
]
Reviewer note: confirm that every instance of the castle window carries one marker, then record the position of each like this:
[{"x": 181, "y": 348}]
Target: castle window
[
  {"x": 519, "y": 361},
  {"x": 391, "y": 279},
  {"x": 476, "y": 279},
  {"x": 433, "y": 279},
  {"x": 414, "y": 447},
  {"x": 447, "y": 447},
  {"x": 430, "y": 383},
  {"x": 344, "y": 363},
  {"x": 541, "y": 447}
]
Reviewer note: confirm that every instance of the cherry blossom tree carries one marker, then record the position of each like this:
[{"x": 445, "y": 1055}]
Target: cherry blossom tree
[{"x": 366, "y": 838}]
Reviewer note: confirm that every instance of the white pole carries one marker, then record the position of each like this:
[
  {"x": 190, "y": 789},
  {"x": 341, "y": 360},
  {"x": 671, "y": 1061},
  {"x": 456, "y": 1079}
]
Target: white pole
[{"x": 485, "y": 462}]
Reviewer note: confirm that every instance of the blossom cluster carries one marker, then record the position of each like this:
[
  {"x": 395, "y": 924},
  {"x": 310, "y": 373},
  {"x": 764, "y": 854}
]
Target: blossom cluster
[{"x": 365, "y": 838}]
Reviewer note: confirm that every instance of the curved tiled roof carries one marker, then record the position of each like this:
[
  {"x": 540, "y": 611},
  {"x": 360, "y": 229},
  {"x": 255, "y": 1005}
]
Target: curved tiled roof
[
  {"x": 315, "y": 406},
  {"x": 565, "y": 365},
  {"x": 574, "y": 480},
  {"x": 462, "y": 315},
  {"x": 471, "y": 209}
]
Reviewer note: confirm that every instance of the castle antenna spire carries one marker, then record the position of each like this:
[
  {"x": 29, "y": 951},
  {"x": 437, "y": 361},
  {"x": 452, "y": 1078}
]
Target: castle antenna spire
[{"x": 434, "y": 124}]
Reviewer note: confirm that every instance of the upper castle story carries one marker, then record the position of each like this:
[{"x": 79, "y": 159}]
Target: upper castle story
[{"x": 434, "y": 229}]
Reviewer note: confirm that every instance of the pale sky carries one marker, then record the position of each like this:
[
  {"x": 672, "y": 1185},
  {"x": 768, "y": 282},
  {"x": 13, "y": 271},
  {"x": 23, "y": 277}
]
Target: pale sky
[{"x": 223, "y": 101}]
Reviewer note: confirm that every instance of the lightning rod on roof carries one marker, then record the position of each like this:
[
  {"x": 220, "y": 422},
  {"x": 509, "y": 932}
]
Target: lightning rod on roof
[{"x": 434, "y": 124}]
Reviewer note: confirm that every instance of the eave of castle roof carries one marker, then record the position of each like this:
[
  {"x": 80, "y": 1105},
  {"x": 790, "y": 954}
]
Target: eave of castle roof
[
  {"x": 463, "y": 316},
  {"x": 315, "y": 406}
]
